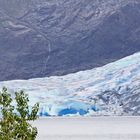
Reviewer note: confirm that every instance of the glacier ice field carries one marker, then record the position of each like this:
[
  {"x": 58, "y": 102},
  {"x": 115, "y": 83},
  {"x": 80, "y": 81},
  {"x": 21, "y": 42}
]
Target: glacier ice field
[{"x": 113, "y": 89}]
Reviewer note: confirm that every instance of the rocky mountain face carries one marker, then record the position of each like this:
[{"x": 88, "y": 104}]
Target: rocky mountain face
[
  {"x": 113, "y": 89},
  {"x": 55, "y": 37}
]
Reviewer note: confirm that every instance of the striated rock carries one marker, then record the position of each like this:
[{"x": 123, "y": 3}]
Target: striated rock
[{"x": 43, "y": 38}]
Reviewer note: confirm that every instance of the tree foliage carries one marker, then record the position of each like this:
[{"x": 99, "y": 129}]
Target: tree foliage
[{"x": 14, "y": 123}]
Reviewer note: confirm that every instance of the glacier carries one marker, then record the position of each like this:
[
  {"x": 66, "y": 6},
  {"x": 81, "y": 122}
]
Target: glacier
[{"x": 113, "y": 89}]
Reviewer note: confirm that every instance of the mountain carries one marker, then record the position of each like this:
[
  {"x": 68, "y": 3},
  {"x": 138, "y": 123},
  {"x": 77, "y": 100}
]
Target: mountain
[
  {"x": 41, "y": 38},
  {"x": 113, "y": 89}
]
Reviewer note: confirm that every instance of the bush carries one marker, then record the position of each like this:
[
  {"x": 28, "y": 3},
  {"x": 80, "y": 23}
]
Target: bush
[{"x": 14, "y": 123}]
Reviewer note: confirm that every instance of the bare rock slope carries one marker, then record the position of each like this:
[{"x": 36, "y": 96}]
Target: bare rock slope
[{"x": 55, "y": 37}]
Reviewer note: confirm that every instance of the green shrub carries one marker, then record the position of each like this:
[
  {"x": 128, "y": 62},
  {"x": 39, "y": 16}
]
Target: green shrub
[{"x": 16, "y": 126}]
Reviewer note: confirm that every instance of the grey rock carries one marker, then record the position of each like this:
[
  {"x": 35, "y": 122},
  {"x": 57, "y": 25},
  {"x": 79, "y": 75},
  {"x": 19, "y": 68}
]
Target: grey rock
[{"x": 55, "y": 37}]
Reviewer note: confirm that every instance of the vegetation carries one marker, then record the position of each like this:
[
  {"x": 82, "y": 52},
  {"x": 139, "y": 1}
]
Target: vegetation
[{"x": 15, "y": 116}]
